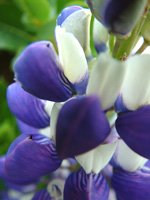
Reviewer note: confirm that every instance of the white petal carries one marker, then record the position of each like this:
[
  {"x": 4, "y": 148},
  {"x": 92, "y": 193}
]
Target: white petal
[
  {"x": 136, "y": 88},
  {"x": 100, "y": 33},
  {"x": 45, "y": 131},
  {"x": 96, "y": 159},
  {"x": 54, "y": 115},
  {"x": 71, "y": 56},
  {"x": 128, "y": 159},
  {"x": 48, "y": 107},
  {"x": 106, "y": 79},
  {"x": 78, "y": 23},
  {"x": 56, "y": 188}
]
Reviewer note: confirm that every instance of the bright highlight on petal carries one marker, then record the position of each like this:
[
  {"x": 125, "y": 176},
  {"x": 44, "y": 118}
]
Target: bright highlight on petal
[
  {"x": 104, "y": 79},
  {"x": 96, "y": 159},
  {"x": 81, "y": 126},
  {"x": 78, "y": 23},
  {"x": 73, "y": 59},
  {"x": 135, "y": 91},
  {"x": 54, "y": 116},
  {"x": 127, "y": 159}
]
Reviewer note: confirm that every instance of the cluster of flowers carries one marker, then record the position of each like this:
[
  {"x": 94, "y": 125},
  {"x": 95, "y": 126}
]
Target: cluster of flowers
[{"x": 73, "y": 109}]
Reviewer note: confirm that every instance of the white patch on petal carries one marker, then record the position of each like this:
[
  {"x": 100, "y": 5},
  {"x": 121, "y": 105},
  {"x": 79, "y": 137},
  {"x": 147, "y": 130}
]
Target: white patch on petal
[
  {"x": 71, "y": 55},
  {"x": 45, "y": 131},
  {"x": 55, "y": 188},
  {"x": 136, "y": 88},
  {"x": 96, "y": 159},
  {"x": 106, "y": 79},
  {"x": 100, "y": 33},
  {"x": 48, "y": 107},
  {"x": 128, "y": 159},
  {"x": 54, "y": 115},
  {"x": 78, "y": 23}
]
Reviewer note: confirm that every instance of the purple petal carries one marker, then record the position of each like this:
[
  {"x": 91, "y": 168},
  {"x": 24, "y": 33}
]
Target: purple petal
[
  {"x": 24, "y": 128},
  {"x": 39, "y": 71},
  {"x": 42, "y": 194},
  {"x": 66, "y": 12},
  {"x": 134, "y": 129},
  {"x": 118, "y": 16},
  {"x": 31, "y": 156},
  {"x": 100, "y": 48},
  {"x": 80, "y": 185},
  {"x": 14, "y": 181},
  {"x": 131, "y": 186},
  {"x": 81, "y": 126},
  {"x": 26, "y": 107},
  {"x": 120, "y": 105}
]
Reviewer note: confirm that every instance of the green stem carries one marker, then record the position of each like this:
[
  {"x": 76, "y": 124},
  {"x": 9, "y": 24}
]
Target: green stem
[
  {"x": 111, "y": 42},
  {"x": 117, "y": 47},
  {"x": 127, "y": 45}
]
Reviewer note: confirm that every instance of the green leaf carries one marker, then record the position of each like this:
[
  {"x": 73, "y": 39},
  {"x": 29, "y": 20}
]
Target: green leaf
[
  {"x": 79, "y": 3},
  {"x": 38, "y": 12},
  {"x": 12, "y": 33},
  {"x": 8, "y": 126},
  {"x": 46, "y": 32}
]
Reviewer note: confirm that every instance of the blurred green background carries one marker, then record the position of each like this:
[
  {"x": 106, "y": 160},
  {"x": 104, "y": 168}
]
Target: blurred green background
[{"x": 22, "y": 22}]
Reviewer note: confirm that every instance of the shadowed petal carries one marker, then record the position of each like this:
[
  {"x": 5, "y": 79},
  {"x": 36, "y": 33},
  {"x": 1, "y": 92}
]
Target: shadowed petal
[
  {"x": 73, "y": 59},
  {"x": 134, "y": 129},
  {"x": 118, "y": 16},
  {"x": 39, "y": 71},
  {"x": 31, "y": 156},
  {"x": 79, "y": 185},
  {"x": 26, "y": 107},
  {"x": 81, "y": 126},
  {"x": 131, "y": 185},
  {"x": 42, "y": 194}
]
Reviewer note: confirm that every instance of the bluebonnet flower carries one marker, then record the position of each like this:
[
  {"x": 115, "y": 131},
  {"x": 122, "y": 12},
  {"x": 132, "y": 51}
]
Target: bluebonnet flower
[{"x": 77, "y": 109}]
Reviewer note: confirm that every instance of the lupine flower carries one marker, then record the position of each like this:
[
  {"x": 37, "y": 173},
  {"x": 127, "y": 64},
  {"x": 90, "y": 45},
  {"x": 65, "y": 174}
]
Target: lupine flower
[{"x": 79, "y": 110}]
